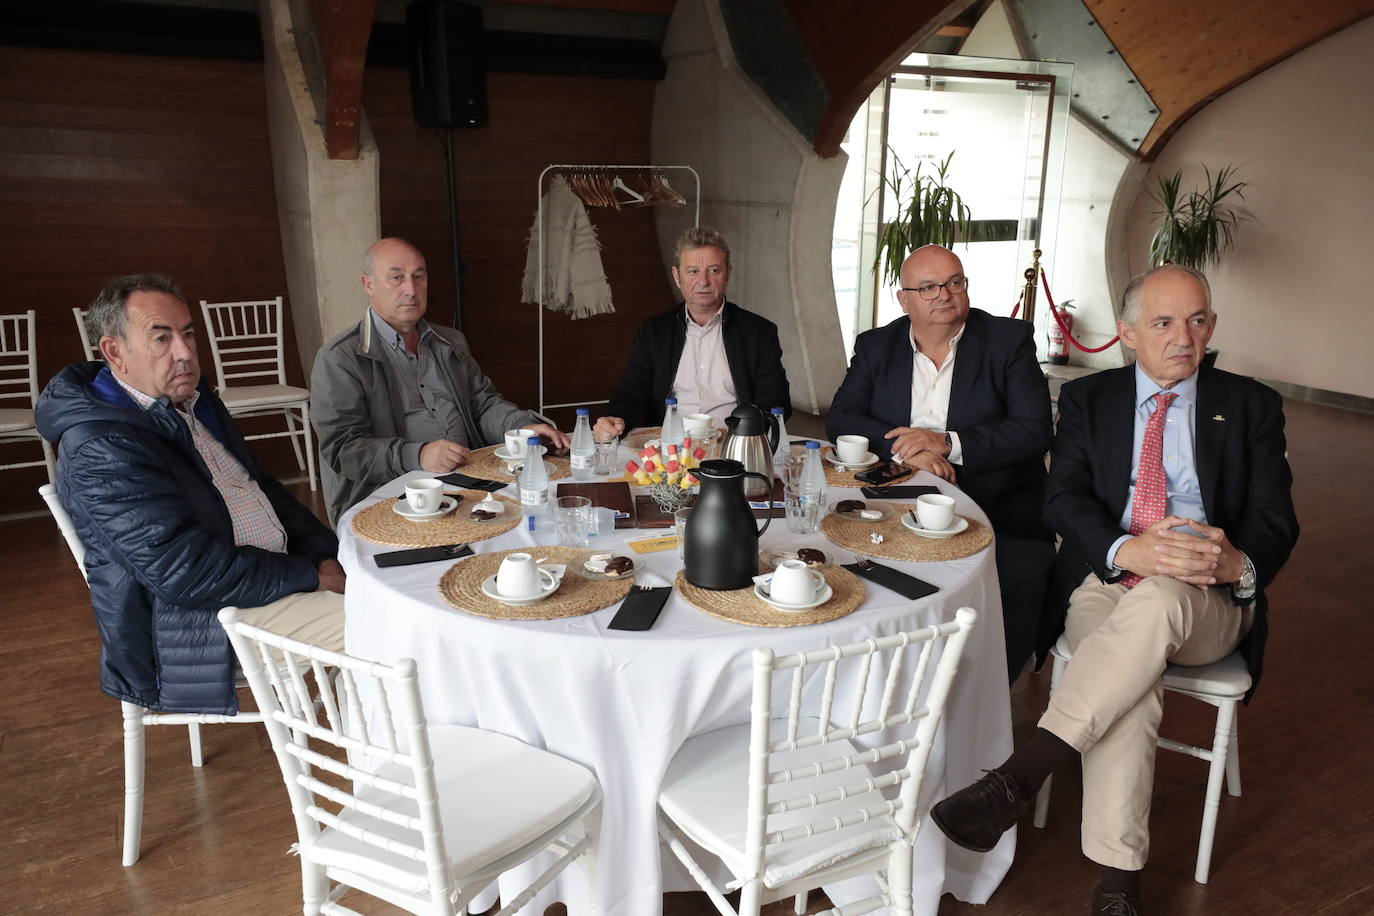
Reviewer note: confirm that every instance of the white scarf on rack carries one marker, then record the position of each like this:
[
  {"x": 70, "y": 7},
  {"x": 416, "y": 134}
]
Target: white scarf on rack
[{"x": 574, "y": 280}]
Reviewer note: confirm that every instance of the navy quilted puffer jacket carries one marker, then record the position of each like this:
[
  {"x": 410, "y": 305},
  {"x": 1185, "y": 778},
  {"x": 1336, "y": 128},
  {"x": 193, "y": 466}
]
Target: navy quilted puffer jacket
[{"x": 160, "y": 553}]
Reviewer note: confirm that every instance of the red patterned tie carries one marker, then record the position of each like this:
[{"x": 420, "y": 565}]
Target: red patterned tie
[{"x": 1151, "y": 497}]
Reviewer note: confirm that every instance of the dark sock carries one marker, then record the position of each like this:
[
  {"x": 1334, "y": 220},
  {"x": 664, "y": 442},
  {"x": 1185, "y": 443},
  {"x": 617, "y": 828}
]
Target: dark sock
[
  {"x": 1114, "y": 881},
  {"x": 1034, "y": 761}
]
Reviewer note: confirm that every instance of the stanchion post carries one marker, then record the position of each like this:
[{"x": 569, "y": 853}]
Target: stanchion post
[{"x": 1028, "y": 295}]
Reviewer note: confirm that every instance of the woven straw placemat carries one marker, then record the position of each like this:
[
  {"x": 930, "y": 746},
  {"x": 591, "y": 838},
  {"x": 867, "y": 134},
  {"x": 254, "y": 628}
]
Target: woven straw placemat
[
  {"x": 741, "y": 605},
  {"x": 834, "y": 477},
  {"x": 899, "y": 542},
  {"x": 640, "y": 437},
  {"x": 461, "y": 587},
  {"x": 483, "y": 463},
  {"x": 380, "y": 525}
]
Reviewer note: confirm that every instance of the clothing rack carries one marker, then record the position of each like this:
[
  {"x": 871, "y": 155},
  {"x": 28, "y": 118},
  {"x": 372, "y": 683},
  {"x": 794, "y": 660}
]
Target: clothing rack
[{"x": 539, "y": 195}]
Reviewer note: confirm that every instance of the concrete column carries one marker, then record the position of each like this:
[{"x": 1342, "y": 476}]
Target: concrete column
[
  {"x": 328, "y": 210},
  {"x": 763, "y": 186}
]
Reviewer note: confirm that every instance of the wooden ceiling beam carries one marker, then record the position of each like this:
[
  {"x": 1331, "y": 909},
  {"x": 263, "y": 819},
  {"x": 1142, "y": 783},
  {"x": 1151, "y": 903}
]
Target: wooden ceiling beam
[
  {"x": 342, "y": 28},
  {"x": 653, "y": 7}
]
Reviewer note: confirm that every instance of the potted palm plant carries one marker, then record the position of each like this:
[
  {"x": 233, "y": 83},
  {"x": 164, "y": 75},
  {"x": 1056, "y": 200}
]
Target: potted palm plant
[
  {"x": 1199, "y": 226},
  {"x": 928, "y": 212}
]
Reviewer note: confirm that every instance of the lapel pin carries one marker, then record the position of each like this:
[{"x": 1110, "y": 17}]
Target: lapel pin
[{"x": 1219, "y": 417}]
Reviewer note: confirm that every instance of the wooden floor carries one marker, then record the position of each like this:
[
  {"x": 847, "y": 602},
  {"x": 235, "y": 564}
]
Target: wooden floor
[{"x": 1300, "y": 840}]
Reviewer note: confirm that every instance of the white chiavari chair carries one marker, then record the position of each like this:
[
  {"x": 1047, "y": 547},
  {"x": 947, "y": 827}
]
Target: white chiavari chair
[{"x": 19, "y": 389}]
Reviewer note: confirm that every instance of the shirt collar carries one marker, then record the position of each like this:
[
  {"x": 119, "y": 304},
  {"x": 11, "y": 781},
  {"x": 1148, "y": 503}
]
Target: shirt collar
[
  {"x": 145, "y": 402},
  {"x": 710, "y": 322},
  {"x": 392, "y": 337},
  {"x": 953, "y": 341},
  {"x": 1146, "y": 388}
]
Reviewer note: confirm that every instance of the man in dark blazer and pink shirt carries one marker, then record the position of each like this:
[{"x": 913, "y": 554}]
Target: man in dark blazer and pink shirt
[{"x": 955, "y": 391}]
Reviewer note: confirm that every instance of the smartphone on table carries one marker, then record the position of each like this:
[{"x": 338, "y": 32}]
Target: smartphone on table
[{"x": 883, "y": 473}]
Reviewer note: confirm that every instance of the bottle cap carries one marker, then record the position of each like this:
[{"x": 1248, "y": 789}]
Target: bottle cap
[
  {"x": 667, "y": 401},
  {"x": 779, "y": 411},
  {"x": 812, "y": 443},
  {"x": 532, "y": 440},
  {"x": 583, "y": 412}
]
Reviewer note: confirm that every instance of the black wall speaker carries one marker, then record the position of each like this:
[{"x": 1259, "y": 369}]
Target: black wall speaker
[{"x": 448, "y": 65}]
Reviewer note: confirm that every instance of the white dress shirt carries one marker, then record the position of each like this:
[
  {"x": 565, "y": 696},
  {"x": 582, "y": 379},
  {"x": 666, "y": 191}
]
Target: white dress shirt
[
  {"x": 930, "y": 386},
  {"x": 703, "y": 383}
]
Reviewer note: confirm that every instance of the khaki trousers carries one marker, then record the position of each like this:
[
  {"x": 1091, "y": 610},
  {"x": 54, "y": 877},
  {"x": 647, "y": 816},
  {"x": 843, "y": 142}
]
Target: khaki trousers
[
  {"x": 313, "y": 617},
  {"x": 1110, "y": 699}
]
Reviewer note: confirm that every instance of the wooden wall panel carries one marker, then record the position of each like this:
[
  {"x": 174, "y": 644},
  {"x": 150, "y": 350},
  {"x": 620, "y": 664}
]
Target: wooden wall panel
[
  {"x": 535, "y": 121},
  {"x": 115, "y": 163}
]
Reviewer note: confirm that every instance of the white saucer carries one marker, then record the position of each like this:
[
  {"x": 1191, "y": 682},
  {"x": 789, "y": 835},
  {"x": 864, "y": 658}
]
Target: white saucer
[
  {"x": 960, "y": 525},
  {"x": 501, "y": 453},
  {"x": 833, "y": 457},
  {"x": 402, "y": 508},
  {"x": 489, "y": 589},
  {"x": 822, "y": 597}
]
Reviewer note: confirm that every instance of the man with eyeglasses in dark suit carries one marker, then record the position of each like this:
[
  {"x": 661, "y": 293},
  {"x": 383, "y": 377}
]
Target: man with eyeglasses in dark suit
[{"x": 952, "y": 390}]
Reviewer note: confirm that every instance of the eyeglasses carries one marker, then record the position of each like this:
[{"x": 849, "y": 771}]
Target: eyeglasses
[{"x": 932, "y": 290}]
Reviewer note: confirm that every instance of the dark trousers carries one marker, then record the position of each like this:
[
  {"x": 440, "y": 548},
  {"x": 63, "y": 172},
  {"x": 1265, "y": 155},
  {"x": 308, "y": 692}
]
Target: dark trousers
[{"x": 1023, "y": 571}]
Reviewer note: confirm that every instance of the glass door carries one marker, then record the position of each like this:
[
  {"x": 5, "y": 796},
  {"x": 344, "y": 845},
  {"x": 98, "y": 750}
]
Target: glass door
[{"x": 1005, "y": 122}]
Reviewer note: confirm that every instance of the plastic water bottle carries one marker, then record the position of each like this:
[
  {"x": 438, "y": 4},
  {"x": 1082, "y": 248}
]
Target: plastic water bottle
[
  {"x": 582, "y": 455},
  {"x": 784, "y": 447},
  {"x": 804, "y": 517},
  {"x": 534, "y": 482},
  {"x": 671, "y": 433}
]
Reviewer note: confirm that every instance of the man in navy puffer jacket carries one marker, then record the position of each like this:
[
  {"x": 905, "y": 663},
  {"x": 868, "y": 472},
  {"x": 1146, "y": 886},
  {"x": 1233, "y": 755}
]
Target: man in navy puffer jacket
[{"x": 177, "y": 518}]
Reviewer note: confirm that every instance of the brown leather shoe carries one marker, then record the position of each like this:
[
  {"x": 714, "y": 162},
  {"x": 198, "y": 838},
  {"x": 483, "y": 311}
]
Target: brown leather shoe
[
  {"x": 1116, "y": 903},
  {"x": 976, "y": 816}
]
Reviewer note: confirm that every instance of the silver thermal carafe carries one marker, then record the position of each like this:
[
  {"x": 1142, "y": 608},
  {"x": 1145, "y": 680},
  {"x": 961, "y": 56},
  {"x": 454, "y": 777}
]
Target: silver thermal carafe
[{"x": 750, "y": 438}]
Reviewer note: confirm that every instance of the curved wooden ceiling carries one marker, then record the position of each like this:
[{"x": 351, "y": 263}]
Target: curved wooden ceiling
[{"x": 1184, "y": 52}]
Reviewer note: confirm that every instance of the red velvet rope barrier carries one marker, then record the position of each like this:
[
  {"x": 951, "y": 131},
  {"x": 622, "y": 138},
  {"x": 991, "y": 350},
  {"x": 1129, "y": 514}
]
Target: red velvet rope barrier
[
  {"x": 1017, "y": 307},
  {"x": 1060, "y": 321}
]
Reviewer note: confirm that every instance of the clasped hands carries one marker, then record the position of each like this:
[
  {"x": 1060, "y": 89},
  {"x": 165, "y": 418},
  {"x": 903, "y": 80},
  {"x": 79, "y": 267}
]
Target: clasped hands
[
  {"x": 922, "y": 449},
  {"x": 1202, "y": 559},
  {"x": 442, "y": 456}
]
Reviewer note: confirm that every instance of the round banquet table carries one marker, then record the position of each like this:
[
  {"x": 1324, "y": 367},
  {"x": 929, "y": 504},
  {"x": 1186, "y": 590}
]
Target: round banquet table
[{"x": 622, "y": 703}]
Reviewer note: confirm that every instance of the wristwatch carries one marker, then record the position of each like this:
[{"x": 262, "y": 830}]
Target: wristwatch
[
  {"x": 1243, "y": 589},
  {"x": 949, "y": 443}
]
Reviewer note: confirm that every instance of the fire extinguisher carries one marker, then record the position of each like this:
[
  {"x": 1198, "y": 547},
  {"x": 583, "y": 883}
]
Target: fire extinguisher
[{"x": 1059, "y": 344}]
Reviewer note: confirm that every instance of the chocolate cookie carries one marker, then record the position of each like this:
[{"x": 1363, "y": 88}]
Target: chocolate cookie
[
  {"x": 811, "y": 556},
  {"x": 849, "y": 505},
  {"x": 619, "y": 566}
]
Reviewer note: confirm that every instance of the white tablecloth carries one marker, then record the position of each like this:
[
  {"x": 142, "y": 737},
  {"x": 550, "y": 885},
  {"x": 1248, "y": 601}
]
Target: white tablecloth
[{"x": 622, "y": 703}]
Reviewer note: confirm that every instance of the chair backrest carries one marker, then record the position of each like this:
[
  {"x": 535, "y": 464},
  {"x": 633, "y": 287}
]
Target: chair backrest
[
  {"x": 18, "y": 359},
  {"x": 391, "y": 763},
  {"x": 89, "y": 348},
  {"x": 893, "y": 706},
  {"x": 64, "y": 524},
  {"x": 246, "y": 342}
]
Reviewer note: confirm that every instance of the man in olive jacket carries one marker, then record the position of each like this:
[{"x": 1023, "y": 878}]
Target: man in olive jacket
[{"x": 397, "y": 394}]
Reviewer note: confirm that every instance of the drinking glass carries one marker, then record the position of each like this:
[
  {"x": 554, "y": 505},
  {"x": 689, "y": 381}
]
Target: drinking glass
[
  {"x": 573, "y": 520},
  {"x": 680, "y": 528},
  {"x": 803, "y": 513},
  {"x": 604, "y": 459},
  {"x": 792, "y": 468}
]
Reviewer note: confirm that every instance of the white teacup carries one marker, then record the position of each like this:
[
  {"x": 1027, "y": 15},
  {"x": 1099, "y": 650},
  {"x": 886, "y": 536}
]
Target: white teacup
[
  {"x": 516, "y": 440},
  {"x": 935, "y": 511},
  {"x": 795, "y": 583},
  {"x": 520, "y": 577},
  {"x": 851, "y": 449},
  {"x": 425, "y": 494},
  {"x": 698, "y": 423}
]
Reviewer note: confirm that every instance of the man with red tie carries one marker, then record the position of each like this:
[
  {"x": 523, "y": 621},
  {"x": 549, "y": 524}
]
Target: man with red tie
[{"x": 1170, "y": 487}]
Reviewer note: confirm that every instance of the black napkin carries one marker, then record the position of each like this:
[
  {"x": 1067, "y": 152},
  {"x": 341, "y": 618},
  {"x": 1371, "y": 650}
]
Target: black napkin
[
  {"x": 907, "y": 586},
  {"x": 422, "y": 555},
  {"x": 473, "y": 483},
  {"x": 640, "y": 608},
  {"x": 904, "y": 491}
]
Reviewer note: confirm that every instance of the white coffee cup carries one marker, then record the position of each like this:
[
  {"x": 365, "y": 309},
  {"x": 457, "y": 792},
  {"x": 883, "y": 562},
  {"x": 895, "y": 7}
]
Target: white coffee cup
[
  {"x": 425, "y": 494},
  {"x": 851, "y": 449},
  {"x": 795, "y": 583},
  {"x": 935, "y": 511},
  {"x": 696, "y": 423},
  {"x": 516, "y": 440},
  {"x": 520, "y": 577}
]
